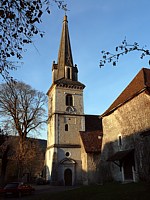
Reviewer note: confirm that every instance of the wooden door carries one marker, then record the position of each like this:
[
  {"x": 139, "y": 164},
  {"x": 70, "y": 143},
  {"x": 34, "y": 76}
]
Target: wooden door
[{"x": 68, "y": 177}]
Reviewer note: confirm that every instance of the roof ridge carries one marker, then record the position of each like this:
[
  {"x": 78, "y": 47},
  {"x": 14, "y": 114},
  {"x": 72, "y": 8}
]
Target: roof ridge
[{"x": 138, "y": 84}]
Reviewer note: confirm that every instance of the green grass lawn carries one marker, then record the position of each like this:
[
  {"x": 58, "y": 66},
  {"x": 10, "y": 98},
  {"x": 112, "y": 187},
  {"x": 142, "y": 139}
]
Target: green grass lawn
[{"x": 109, "y": 191}]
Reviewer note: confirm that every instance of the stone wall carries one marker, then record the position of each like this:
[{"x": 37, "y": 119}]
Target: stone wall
[
  {"x": 126, "y": 121},
  {"x": 93, "y": 160},
  {"x": 90, "y": 167},
  {"x": 84, "y": 164}
]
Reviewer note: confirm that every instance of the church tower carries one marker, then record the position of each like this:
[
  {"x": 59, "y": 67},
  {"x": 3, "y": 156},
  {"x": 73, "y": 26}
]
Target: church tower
[{"x": 66, "y": 118}]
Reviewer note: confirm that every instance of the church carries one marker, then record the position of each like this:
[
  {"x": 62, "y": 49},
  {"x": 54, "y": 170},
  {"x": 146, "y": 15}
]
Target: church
[
  {"x": 91, "y": 149},
  {"x": 74, "y": 139}
]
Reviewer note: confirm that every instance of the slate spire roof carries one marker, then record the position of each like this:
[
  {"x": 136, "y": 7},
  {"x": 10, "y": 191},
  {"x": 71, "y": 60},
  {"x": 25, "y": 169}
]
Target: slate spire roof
[
  {"x": 140, "y": 83},
  {"x": 64, "y": 72},
  {"x": 65, "y": 53}
]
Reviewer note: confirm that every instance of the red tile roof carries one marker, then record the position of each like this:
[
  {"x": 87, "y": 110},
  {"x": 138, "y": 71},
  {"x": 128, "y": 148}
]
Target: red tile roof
[
  {"x": 140, "y": 83},
  {"x": 92, "y": 141}
]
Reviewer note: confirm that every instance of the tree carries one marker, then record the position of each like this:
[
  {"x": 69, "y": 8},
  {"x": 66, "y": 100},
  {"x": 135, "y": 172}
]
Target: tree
[
  {"x": 23, "y": 109},
  {"x": 18, "y": 24},
  {"x": 4, "y": 149},
  {"x": 31, "y": 166},
  {"x": 121, "y": 50}
]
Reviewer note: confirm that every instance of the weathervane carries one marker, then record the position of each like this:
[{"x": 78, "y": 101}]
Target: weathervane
[
  {"x": 61, "y": 5},
  {"x": 64, "y": 7}
]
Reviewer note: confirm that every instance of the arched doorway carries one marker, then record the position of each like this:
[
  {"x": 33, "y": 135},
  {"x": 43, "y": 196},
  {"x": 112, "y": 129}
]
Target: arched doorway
[
  {"x": 67, "y": 171},
  {"x": 68, "y": 177}
]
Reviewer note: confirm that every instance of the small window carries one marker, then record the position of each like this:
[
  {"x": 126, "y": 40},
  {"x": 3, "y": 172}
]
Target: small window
[
  {"x": 120, "y": 140},
  {"x": 66, "y": 127},
  {"x": 69, "y": 100},
  {"x": 68, "y": 73},
  {"x": 49, "y": 155}
]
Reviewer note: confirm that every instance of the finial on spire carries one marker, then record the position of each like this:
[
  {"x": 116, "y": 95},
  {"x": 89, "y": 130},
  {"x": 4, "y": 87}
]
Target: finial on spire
[{"x": 65, "y": 18}]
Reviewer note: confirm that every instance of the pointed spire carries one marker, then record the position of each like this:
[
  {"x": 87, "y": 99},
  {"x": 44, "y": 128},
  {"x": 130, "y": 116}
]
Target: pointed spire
[
  {"x": 64, "y": 67},
  {"x": 65, "y": 53}
]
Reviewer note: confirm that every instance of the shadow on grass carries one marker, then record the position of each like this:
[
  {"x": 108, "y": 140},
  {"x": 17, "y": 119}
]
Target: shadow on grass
[{"x": 109, "y": 191}]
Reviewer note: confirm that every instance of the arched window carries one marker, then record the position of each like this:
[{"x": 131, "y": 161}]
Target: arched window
[
  {"x": 119, "y": 140},
  {"x": 69, "y": 100},
  {"x": 68, "y": 73},
  {"x": 66, "y": 127}
]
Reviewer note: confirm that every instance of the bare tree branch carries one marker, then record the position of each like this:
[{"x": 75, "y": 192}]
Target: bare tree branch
[
  {"x": 121, "y": 50},
  {"x": 22, "y": 106},
  {"x": 19, "y": 21}
]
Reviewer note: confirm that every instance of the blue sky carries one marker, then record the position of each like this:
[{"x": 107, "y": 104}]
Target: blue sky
[{"x": 94, "y": 25}]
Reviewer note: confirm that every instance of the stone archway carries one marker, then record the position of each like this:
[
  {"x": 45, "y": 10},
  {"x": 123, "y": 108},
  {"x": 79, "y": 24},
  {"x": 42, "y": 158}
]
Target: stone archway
[
  {"x": 67, "y": 171},
  {"x": 68, "y": 177}
]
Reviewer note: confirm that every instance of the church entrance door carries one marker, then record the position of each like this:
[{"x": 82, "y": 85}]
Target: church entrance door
[{"x": 68, "y": 177}]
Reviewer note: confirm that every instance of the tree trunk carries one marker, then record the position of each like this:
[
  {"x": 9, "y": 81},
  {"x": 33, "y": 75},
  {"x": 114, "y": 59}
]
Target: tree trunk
[
  {"x": 21, "y": 156},
  {"x": 4, "y": 166}
]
